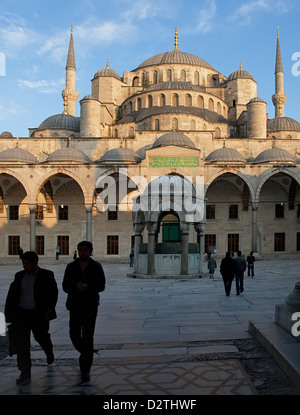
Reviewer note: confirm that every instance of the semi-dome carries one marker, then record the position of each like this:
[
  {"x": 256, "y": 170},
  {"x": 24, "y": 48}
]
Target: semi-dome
[
  {"x": 68, "y": 155},
  {"x": 17, "y": 155},
  {"x": 61, "y": 122},
  {"x": 175, "y": 57},
  {"x": 120, "y": 155},
  {"x": 274, "y": 155},
  {"x": 107, "y": 72},
  {"x": 6, "y": 134},
  {"x": 226, "y": 155},
  {"x": 173, "y": 139},
  {"x": 240, "y": 73},
  {"x": 283, "y": 124}
]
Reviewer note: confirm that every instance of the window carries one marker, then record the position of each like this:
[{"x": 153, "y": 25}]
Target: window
[
  {"x": 63, "y": 212},
  {"x": 210, "y": 212},
  {"x": 112, "y": 245},
  {"x": 279, "y": 211},
  {"x": 279, "y": 242},
  {"x": 13, "y": 212},
  {"x": 132, "y": 242},
  {"x": 63, "y": 243},
  {"x": 13, "y": 245},
  {"x": 298, "y": 242},
  {"x": 210, "y": 243},
  {"x": 233, "y": 242},
  {"x": 40, "y": 244},
  {"x": 233, "y": 211},
  {"x": 39, "y": 213},
  {"x": 112, "y": 214}
]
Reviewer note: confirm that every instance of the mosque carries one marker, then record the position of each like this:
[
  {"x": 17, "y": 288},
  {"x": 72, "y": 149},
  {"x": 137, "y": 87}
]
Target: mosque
[{"x": 173, "y": 123}]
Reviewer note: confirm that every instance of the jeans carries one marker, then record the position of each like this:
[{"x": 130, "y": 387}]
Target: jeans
[
  {"x": 239, "y": 282},
  {"x": 251, "y": 270}
]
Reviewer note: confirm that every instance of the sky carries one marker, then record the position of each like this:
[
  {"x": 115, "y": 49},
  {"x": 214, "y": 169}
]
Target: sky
[{"x": 35, "y": 34}]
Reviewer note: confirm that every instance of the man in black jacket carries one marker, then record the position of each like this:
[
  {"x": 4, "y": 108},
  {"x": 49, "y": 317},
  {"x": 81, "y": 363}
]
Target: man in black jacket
[
  {"x": 30, "y": 305},
  {"x": 83, "y": 280}
]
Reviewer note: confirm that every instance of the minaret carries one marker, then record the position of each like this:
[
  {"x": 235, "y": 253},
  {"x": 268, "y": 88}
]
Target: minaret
[
  {"x": 279, "y": 98},
  {"x": 69, "y": 94}
]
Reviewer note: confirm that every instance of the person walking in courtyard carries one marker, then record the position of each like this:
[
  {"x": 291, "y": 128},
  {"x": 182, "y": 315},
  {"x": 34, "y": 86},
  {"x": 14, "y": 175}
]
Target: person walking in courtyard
[
  {"x": 227, "y": 269},
  {"x": 57, "y": 252},
  {"x": 30, "y": 305},
  {"x": 250, "y": 262},
  {"x": 212, "y": 265},
  {"x": 83, "y": 280},
  {"x": 240, "y": 268},
  {"x": 131, "y": 259}
]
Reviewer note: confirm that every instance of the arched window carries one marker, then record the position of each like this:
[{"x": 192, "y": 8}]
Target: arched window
[
  {"x": 219, "y": 110},
  {"x": 208, "y": 80},
  {"x": 218, "y": 133},
  {"x": 156, "y": 77},
  {"x": 131, "y": 132},
  {"x": 175, "y": 100},
  {"x": 183, "y": 76},
  {"x": 200, "y": 101},
  {"x": 144, "y": 81},
  {"x": 150, "y": 101},
  {"x": 193, "y": 125},
  {"x": 162, "y": 100},
  {"x": 116, "y": 133},
  {"x": 175, "y": 124},
  {"x": 157, "y": 125},
  {"x": 170, "y": 75},
  {"x": 211, "y": 106},
  {"x": 135, "y": 81},
  {"x": 197, "y": 78},
  {"x": 188, "y": 100},
  {"x": 139, "y": 104}
]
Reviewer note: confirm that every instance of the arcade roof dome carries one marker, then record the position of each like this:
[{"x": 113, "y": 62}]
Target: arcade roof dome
[
  {"x": 225, "y": 155},
  {"x": 120, "y": 155},
  {"x": 61, "y": 122},
  {"x": 17, "y": 155},
  {"x": 274, "y": 155},
  {"x": 173, "y": 139},
  {"x": 68, "y": 154}
]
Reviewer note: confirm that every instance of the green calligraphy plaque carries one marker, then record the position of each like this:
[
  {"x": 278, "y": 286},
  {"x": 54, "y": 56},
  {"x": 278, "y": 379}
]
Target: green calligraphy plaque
[{"x": 173, "y": 162}]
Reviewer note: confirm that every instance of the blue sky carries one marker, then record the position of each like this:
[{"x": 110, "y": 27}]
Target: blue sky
[{"x": 34, "y": 38}]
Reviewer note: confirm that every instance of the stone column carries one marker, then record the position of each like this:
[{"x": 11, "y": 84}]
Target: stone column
[
  {"x": 151, "y": 228},
  {"x": 254, "y": 227},
  {"x": 138, "y": 228},
  {"x": 32, "y": 239},
  {"x": 185, "y": 231},
  {"x": 200, "y": 227},
  {"x": 89, "y": 230}
]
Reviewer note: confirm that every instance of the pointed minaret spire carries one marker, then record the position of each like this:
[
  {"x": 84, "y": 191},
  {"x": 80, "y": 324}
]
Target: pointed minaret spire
[
  {"x": 279, "y": 98},
  {"x": 69, "y": 94}
]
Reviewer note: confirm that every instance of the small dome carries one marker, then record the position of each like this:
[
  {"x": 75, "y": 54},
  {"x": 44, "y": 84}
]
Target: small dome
[
  {"x": 180, "y": 185},
  {"x": 283, "y": 124},
  {"x": 68, "y": 155},
  {"x": 6, "y": 134},
  {"x": 107, "y": 72},
  {"x": 17, "y": 155},
  {"x": 226, "y": 155},
  {"x": 88, "y": 97},
  {"x": 120, "y": 155},
  {"x": 61, "y": 122},
  {"x": 173, "y": 139},
  {"x": 174, "y": 57},
  {"x": 241, "y": 73},
  {"x": 256, "y": 99},
  {"x": 274, "y": 155}
]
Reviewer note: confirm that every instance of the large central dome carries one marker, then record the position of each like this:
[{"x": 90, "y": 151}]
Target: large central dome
[{"x": 176, "y": 56}]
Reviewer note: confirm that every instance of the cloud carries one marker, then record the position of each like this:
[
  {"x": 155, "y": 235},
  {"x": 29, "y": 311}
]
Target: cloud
[
  {"x": 43, "y": 86},
  {"x": 206, "y": 16},
  {"x": 247, "y": 10}
]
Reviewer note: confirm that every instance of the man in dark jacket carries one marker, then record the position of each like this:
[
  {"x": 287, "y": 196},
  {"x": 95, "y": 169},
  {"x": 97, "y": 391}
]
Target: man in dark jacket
[
  {"x": 30, "y": 305},
  {"x": 83, "y": 280},
  {"x": 240, "y": 268},
  {"x": 227, "y": 269}
]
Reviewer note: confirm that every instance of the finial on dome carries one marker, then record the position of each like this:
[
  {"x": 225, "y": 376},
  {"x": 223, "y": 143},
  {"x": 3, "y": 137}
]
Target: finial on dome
[
  {"x": 176, "y": 38},
  {"x": 72, "y": 27},
  {"x": 241, "y": 66},
  {"x": 224, "y": 143},
  {"x": 277, "y": 31},
  {"x": 107, "y": 64}
]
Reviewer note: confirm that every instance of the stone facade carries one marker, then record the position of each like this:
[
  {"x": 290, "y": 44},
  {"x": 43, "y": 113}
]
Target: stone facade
[{"x": 173, "y": 115}]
